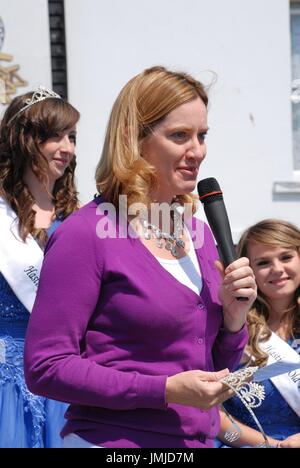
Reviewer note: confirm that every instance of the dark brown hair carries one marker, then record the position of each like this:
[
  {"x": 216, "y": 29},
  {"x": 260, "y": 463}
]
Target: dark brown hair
[{"x": 20, "y": 138}]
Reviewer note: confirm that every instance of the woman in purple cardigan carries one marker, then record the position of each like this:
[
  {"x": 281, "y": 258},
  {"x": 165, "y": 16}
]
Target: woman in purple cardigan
[{"x": 133, "y": 325}]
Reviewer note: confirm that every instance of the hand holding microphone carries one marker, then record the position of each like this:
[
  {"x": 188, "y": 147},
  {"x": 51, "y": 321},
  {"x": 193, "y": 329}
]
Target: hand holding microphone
[{"x": 238, "y": 290}]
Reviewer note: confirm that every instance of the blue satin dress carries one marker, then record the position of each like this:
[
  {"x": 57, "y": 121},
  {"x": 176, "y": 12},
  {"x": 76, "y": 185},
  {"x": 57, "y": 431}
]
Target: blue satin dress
[
  {"x": 276, "y": 417},
  {"x": 26, "y": 420}
]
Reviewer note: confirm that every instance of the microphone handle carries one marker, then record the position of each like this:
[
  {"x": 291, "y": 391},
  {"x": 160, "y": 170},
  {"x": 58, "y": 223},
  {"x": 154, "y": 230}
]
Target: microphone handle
[{"x": 219, "y": 223}]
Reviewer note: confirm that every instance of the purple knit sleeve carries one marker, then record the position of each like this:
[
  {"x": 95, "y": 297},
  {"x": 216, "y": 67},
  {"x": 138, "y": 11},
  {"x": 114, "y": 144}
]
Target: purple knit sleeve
[
  {"x": 68, "y": 293},
  {"x": 228, "y": 347}
]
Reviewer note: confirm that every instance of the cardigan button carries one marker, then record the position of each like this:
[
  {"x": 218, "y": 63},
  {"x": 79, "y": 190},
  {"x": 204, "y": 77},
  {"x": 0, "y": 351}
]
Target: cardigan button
[{"x": 200, "y": 341}]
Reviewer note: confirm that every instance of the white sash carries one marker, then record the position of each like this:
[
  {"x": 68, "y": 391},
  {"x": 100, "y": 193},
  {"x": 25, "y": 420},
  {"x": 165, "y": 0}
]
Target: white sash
[
  {"x": 20, "y": 262},
  {"x": 287, "y": 384}
]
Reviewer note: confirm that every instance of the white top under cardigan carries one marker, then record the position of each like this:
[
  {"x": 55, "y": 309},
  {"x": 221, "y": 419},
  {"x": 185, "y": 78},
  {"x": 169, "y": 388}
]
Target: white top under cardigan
[{"x": 186, "y": 269}]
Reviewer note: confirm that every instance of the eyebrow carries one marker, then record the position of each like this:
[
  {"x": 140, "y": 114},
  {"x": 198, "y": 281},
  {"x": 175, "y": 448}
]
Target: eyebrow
[
  {"x": 267, "y": 258},
  {"x": 186, "y": 127}
]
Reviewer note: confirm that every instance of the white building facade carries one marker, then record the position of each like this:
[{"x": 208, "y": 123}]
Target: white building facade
[{"x": 252, "y": 47}]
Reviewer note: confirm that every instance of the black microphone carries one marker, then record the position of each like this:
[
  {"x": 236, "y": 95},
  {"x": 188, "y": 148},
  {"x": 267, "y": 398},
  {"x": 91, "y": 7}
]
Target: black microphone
[{"x": 210, "y": 194}]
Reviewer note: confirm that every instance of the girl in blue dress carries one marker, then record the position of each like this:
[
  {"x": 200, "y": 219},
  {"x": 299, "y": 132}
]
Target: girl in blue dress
[
  {"x": 37, "y": 191},
  {"x": 273, "y": 248}
]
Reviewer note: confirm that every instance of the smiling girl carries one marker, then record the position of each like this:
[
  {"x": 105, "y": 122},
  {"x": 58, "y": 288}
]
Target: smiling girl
[{"x": 273, "y": 248}]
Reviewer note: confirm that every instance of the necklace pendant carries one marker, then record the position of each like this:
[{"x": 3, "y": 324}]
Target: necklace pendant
[
  {"x": 168, "y": 245},
  {"x": 180, "y": 243},
  {"x": 166, "y": 240},
  {"x": 174, "y": 251}
]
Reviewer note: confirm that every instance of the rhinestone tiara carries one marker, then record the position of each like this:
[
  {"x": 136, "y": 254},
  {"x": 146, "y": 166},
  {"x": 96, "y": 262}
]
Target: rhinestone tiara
[
  {"x": 251, "y": 395},
  {"x": 40, "y": 94}
]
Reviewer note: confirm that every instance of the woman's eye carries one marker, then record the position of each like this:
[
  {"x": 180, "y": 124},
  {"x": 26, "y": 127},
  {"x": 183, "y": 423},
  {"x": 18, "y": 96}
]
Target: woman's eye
[
  {"x": 202, "y": 136},
  {"x": 262, "y": 263},
  {"x": 287, "y": 257},
  {"x": 72, "y": 138},
  {"x": 178, "y": 135}
]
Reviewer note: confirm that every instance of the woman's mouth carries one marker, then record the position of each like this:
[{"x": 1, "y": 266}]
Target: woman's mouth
[
  {"x": 279, "y": 281},
  {"x": 61, "y": 162},
  {"x": 188, "y": 170}
]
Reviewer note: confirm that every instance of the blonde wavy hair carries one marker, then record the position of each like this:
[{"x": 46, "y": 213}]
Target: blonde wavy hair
[
  {"x": 143, "y": 103},
  {"x": 20, "y": 141},
  {"x": 273, "y": 233}
]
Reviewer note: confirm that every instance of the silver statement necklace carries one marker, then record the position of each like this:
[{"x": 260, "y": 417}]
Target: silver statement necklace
[{"x": 164, "y": 240}]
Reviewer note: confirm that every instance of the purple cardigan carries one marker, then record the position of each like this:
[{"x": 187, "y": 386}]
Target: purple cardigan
[{"x": 110, "y": 324}]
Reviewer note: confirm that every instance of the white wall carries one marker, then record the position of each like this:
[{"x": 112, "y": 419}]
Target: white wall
[
  {"x": 247, "y": 43},
  {"x": 27, "y": 39}
]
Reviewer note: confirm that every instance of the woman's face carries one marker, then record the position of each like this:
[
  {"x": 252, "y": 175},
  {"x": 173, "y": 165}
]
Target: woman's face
[
  {"x": 59, "y": 152},
  {"x": 276, "y": 269},
  {"x": 176, "y": 147}
]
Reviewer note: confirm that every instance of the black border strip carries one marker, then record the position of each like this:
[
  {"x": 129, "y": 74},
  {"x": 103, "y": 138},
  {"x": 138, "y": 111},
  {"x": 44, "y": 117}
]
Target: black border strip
[{"x": 58, "y": 47}]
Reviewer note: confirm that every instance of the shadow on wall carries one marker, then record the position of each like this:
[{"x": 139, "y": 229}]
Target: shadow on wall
[{"x": 286, "y": 197}]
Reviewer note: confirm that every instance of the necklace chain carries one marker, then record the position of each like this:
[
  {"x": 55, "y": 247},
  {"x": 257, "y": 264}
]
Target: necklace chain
[{"x": 171, "y": 242}]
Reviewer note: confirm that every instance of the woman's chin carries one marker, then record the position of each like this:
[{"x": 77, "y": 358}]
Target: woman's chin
[{"x": 187, "y": 189}]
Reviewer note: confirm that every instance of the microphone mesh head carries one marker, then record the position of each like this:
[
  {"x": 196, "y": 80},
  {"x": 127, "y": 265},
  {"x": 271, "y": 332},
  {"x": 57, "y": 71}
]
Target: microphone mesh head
[{"x": 209, "y": 190}]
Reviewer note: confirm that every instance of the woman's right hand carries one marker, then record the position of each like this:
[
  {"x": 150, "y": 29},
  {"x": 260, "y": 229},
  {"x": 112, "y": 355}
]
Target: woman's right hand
[{"x": 198, "y": 388}]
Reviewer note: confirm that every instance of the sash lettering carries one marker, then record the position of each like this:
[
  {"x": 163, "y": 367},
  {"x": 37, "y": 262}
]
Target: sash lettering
[
  {"x": 287, "y": 384},
  {"x": 20, "y": 262}
]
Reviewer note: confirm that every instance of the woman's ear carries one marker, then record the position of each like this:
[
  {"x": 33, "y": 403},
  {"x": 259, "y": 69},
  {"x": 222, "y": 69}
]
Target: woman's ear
[{"x": 143, "y": 145}]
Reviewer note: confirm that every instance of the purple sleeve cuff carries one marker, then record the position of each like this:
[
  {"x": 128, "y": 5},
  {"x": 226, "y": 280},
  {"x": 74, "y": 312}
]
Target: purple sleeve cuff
[
  {"x": 234, "y": 340},
  {"x": 151, "y": 391},
  {"x": 228, "y": 348}
]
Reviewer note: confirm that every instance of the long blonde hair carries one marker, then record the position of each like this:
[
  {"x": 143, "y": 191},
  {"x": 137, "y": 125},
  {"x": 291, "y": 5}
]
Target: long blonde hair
[
  {"x": 143, "y": 102},
  {"x": 273, "y": 233}
]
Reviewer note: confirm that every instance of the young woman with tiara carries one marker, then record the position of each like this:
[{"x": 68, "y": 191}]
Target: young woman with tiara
[{"x": 37, "y": 192}]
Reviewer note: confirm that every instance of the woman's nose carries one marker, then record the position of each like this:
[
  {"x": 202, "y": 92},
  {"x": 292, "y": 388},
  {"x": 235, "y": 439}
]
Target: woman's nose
[
  {"x": 197, "y": 150},
  {"x": 67, "y": 145},
  {"x": 277, "y": 266}
]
